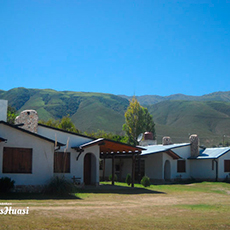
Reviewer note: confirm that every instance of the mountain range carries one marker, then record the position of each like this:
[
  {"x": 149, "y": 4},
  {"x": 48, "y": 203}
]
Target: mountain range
[{"x": 176, "y": 116}]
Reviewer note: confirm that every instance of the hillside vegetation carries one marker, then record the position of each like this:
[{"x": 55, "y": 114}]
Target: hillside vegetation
[
  {"x": 177, "y": 115},
  {"x": 153, "y": 99},
  {"x": 88, "y": 111},
  {"x": 178, "y": 119}
]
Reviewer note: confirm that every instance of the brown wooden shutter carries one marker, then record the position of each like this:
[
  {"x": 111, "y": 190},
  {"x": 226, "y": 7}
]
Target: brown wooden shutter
[
  {"x": 61, "y": 162},
  {"x": 17, "y": 160},
  {"x": 181, "y": 166},
  {"x": 226, "y": 165}
]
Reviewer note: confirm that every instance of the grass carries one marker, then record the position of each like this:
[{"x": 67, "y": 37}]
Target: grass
[{"x": 178, "y": 206}]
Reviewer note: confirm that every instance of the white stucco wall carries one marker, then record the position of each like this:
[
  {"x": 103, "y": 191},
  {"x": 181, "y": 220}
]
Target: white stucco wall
[
  {"x": 42, "y": 156},
  {"x": 184, "y": 153},
  {"x": 3, "y": 110},
  {"x": 202, "y": 169},
  {"x": 221, "y": 174},
  {"x": 154, "y": 166},
  {"x": 74, "y": 140}
]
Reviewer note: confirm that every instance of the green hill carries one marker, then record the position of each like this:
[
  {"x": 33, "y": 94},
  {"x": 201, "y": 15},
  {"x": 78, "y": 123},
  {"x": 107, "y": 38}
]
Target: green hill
[
  {"x": 178, "y": 119},
  {"x": 153, "y": 99},
  {"x": 89, "y": 111},
  {"x": 176, "y": 115}
]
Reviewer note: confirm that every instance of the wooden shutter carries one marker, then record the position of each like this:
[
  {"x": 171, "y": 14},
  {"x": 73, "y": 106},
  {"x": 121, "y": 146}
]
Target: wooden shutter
[
  {"x": 226, "y": 165},
  {"x": 17, "y": 160},
  {"x": 61, "y": 162},
  {"x": 181, "y": 166}
]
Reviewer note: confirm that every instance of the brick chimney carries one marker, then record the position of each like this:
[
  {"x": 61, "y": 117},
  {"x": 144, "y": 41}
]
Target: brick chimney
[
  {"x": 194, "y": 145},
  {"x": 29, "y": 119},
  {"x": 3, "y": 110},
  {"x": 148, "y": 139},
  {"x": 166, "y": 141}
]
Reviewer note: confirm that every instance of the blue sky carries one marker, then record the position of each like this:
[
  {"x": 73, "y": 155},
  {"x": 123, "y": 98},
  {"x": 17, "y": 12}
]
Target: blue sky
[{"x": 121, "y": 47}]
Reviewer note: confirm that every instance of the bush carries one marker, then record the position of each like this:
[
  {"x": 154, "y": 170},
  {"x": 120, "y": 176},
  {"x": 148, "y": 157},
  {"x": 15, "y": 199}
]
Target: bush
[
  {"x": 115, "y": 177},
  {"x": 145, "y": 181},
  {"x": 59, "y": 186},
  {"x": 128, "y": 179},
  {"x": 6, "y": 184}
]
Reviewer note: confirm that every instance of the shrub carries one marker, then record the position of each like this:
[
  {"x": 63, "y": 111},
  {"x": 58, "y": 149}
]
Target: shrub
[
  {"x": 59, "y": 186},
  {"x": 6, "y": 184},
  {"x": 115, "y": 177},
  {"x": 128, "y": 179},
  {"x": 145, "y": 181}
]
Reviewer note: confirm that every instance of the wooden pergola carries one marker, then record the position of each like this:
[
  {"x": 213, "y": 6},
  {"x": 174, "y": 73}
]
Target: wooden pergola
[{"x": 112, "y": 149}]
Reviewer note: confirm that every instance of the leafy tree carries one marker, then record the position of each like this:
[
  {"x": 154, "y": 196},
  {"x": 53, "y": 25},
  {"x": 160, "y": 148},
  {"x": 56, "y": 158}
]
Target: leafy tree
[
  {"x": 65, "y": 123},
  {"x": 50, "y": 122},
  {"x": 107, "y": 135},
  {"x": 137, "y": 120},
  {"x": 11, "y": 115}
]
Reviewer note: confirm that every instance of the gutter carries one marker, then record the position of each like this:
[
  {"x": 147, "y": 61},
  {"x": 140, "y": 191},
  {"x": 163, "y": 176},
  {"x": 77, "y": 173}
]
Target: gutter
[{"x": 216, "y": 169}]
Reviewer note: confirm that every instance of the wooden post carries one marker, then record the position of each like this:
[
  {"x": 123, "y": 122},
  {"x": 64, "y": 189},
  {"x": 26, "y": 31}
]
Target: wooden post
[
  {"x": 133, "y": 169},
  {"x": 113, "y": 171},
  {"x": 103, "y": 176},
  {"x": 139, "y": 169}
]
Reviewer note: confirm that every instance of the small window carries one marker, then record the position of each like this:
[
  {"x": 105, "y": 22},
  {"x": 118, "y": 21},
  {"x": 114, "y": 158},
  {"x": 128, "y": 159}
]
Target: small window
[
  {"x": 61, "y": 162},
  {"x": 226, "y": 165},
  {"x": 181, "y": 166},
  {"x": 117, "y": 168},
  {"x": 17, "y": 160}
]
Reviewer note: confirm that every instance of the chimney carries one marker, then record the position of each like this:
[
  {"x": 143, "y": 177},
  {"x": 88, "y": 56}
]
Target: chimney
[
  {"x": 3, "y": 110},
  {"x": 166, "y": 141},
  {"x": 148, "y": 139},
  {"x": 194, "y": 145},
  {"x": 29, "y": 119}
]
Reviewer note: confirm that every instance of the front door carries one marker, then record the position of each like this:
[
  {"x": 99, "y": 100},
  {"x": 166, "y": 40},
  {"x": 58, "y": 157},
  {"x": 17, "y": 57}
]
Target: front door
[
  {"x": 87, "y": 169},
  {"x": 167, "y": 170}
]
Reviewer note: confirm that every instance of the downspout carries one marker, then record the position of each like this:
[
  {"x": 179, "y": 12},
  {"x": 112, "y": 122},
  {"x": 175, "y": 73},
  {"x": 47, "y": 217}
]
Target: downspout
[{"x": 216, "y": 169}]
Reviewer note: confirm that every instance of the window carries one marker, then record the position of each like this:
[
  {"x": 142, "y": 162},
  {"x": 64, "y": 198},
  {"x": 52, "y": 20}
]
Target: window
[
  {"x": 117, "y": 168},
  {"x": 226, "y": 165},
  {"x": 181, "y": 166},
  {"x": 17, "y": 160},
  {"x": 61, "y": 162}
]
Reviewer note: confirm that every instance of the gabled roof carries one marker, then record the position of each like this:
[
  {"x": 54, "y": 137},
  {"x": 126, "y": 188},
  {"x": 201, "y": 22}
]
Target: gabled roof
[
  {"x": 31, "y": 133},
  {"x": 112, "y": 147},
  {"x": 64, "y": 131},
  {"x": 152, "y": 149},
  {"x": 211, "y": 153}
]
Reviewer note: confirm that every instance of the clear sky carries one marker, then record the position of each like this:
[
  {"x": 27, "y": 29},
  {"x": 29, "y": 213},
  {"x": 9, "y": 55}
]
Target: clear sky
[{"x": 139, "y": 47}]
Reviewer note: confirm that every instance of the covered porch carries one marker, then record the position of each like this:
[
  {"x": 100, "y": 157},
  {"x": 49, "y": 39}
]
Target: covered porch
[{"x": 115, "y": 150}]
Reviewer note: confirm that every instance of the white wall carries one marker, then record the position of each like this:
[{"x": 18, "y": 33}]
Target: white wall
[
  {"x": 202, "y": 169},
  {"x": 42, "y": 156},
  {"x": 221, "y": 174},
  {"x": 154, "y": 166},
  {"x": 3, "y": 110},
  {"x": 74, "y": 140}
]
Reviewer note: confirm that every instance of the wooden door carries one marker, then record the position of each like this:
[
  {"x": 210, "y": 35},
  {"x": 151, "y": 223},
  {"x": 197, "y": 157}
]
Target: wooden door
[{"x": 87, "y": 169}]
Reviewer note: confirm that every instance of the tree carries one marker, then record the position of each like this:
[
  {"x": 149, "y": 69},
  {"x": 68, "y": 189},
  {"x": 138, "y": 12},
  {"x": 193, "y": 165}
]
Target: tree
[
  {"x": 137, "y": 120},
  {"x": 11, "y": 115},
  {"x": 65, "y": 123}
]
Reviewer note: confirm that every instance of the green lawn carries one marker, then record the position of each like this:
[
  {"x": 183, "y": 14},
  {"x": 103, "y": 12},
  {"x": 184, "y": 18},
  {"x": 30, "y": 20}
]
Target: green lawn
[{"x": 186, "y": 206}]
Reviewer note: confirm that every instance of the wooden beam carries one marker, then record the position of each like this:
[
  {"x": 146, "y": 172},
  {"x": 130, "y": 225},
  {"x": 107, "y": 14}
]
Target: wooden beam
[
  {"x": 113, "y": 171},
  {"x": 133, "y": 170},
  {"x": 103, "y": 169}
]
